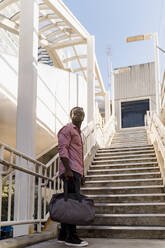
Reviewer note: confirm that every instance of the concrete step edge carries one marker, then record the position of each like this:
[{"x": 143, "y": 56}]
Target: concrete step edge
[
  {"x": 115, "y": 160},
  {"x": 126, "y": 152},
  {"x": 126, "y": 180},
  {"x": 126, "y": 169},
  {"x": 129, "y": 204},
  {"x": 129, "y": 215},
  {"x": 145, "y": 228},
  {"x": 126, "y": 195},
  {"x": 125, "y": 187},
  {"x": 152, "y": 155},
  {"x": 129, "y": 174},
  {"x": 125, "y": 147},
  {"x": 123, "y": 164}
]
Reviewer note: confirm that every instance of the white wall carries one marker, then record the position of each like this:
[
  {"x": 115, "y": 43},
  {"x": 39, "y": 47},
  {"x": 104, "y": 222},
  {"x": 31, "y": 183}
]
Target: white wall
[{"x": 58, "y": 91}]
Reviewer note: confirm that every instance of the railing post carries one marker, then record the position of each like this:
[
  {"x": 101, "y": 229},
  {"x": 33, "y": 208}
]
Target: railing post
[
  {"x": 39, "y": 201},
  {"x": 107, "y": 106},
  {"x": 0, "y": 198}
]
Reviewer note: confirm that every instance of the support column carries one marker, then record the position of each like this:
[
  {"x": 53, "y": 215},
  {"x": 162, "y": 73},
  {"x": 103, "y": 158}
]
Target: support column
[
  {"x": 91, "y": 79},
  {"x": 26, "y": 110},
  {"x": 107, "y": 106}
]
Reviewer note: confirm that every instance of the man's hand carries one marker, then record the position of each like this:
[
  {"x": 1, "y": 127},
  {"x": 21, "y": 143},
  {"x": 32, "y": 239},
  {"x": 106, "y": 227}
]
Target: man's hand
[
  {"x": 82, "y": 180},
  {"x": 68, "y": 174}
]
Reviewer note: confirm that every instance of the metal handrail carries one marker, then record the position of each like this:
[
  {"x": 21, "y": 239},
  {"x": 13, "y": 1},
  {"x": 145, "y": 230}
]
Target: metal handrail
[{"x": 156, "y": 131}]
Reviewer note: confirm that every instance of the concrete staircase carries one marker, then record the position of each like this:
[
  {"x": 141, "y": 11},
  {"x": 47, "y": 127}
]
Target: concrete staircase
[{"x": 126, "y": 185}]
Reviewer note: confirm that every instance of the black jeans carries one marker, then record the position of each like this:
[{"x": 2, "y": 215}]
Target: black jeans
[{"x": 73, "y": 187}]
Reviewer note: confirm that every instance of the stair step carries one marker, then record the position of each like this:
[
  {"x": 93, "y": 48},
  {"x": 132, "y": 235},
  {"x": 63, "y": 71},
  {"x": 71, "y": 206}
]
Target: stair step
[
  {"x": 124, "y": 156},
  {"x": 130, "y": 219},
  {"x": 124, "y": 190},
  {"x": 129, "y": 145},
  {"x": 124, "y": 160},
  {"x": 118, "y": 146},
  {"x": 130, "y": 208},
  {"x": 128, "y": 138},
  {"x": 131, "y": 137},
  {"x": 127, "y": 148},
  {"x": 148, "y": 152},
  {"x": 127, "y": 141},
  {"x": 118, "y": 198},
  {"x": 126, "y": 182},
  {"x": 122, "y": 165},
  {"x": 125, "y": 170},
  {"x": 130, "y": 141},
  {"x": 122, "y": 232},
  {"x": 121, "y": 176},
  {"x": 120, "y": 149}
]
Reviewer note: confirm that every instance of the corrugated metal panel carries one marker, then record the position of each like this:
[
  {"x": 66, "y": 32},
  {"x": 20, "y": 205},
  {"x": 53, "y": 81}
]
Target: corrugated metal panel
[
  {"x": 138, "y": 82},
  {"x": 134, "y": 82}
]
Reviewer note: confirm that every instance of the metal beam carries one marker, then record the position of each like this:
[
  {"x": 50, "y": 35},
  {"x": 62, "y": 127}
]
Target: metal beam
[
  {"x": 47, "y": 17},
  {"x": 45, "y": 28},
  {"x": 5, "y": 3},
  {"x": 68, "y": 43},
  {"x": 100, "y": 94},
  {"x": 74, "y": 58},
  {"x": 63, "y": 12},
  {"x": 15, "y": 17},
  {"x": 55, "y": 58},
  {"x": 99, "y": 77},
  {"x": 80, "y": 69},
  {"x": 59, "y": 31},
  {"x": 6, "y": 24},
  {"x": 43, "y": 6}
]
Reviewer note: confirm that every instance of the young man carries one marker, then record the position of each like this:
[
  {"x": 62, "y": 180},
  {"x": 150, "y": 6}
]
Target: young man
[{"x": 71, "y": 168}]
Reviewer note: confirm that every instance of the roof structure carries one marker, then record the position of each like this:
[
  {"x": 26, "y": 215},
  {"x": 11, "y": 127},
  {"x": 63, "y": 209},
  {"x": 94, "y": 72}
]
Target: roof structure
[{"x": 60, "y": 33}]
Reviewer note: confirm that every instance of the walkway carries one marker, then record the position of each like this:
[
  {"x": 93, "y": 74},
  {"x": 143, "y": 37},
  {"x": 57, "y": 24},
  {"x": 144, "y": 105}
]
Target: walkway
[{"x": 108, "y": 243}]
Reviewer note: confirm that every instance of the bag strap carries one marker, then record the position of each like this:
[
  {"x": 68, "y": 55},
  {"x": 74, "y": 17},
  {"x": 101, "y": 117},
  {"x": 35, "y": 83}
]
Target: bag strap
[{"x": 66, "y": 190}]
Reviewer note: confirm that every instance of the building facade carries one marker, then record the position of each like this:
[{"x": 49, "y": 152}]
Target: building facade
[{"x": 134, "y": 94}]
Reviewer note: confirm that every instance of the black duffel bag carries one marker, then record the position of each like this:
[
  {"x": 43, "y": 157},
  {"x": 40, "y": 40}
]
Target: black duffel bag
[{"x": 71, "y": 208}]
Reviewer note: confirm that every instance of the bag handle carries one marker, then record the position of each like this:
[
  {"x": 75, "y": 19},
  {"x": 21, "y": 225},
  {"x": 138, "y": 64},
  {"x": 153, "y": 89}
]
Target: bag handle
[{"x": 66, "y": 190}]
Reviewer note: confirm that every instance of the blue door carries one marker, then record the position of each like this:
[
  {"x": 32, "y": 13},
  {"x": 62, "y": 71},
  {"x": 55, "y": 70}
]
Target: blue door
[{"x": 132, "y": 113}]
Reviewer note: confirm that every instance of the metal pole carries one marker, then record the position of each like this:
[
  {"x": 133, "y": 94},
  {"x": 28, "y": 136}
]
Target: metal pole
[{"x": 157, "y": 72}]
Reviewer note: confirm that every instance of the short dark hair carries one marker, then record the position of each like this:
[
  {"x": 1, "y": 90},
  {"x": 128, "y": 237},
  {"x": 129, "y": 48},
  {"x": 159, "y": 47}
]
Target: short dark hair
[{"x": 75, "y": 109}]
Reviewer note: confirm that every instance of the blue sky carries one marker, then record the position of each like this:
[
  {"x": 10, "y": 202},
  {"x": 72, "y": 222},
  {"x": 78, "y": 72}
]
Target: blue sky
[{"x": 111, "y": 21}]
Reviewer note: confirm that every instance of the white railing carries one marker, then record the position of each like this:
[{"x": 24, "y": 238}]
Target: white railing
[
  {"x": 88, "y": 138},
  {"x": 45, "y": 177},
  {"x": 109, "y": 131},
  {"x": 163, "y": 91},
  {"x": 156, "y": 133},
  {"x": 46, "y": 182}
]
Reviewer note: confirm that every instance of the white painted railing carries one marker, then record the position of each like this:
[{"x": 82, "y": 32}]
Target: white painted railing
[
  {"x": 156, "y": 133},
  {"x": 163, "y": 91},
  {"x": 46, "y": 177},
  {"x": 109, "y": 131},
  {"x": 46, "y": 182}
]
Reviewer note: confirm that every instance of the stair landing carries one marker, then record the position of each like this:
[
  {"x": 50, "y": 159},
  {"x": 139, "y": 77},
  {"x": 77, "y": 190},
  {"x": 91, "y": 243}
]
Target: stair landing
[{"x": 105, "y": 243}]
